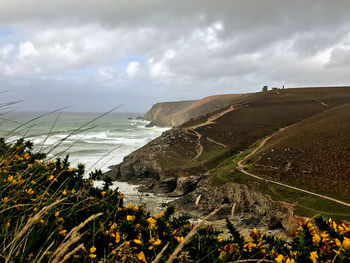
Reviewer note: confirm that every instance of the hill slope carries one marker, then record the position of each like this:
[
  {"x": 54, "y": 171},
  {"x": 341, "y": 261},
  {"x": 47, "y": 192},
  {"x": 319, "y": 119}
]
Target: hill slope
[
  {"x": 314, "y": 153},
  {"x": 210, "y": 147}
]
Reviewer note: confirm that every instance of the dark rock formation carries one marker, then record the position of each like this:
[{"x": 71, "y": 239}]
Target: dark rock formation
[
  {"x": 150, "y": 167},
  {"x": 246, "y": 205}
]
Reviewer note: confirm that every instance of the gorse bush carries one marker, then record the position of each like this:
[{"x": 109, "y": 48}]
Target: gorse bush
[{"x": 50, "y": 213}]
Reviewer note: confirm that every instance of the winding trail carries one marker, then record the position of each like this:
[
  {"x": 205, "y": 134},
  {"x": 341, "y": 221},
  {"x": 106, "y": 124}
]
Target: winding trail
[
  {"x": 211, "y": 120},
  {"x": 241, "y": 167},
  {"x": 199, "y": 146}
]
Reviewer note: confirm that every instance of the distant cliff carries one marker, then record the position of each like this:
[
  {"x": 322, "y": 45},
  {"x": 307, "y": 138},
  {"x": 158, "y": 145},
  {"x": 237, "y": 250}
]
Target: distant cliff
[
  {"x": 169, "y": 114},
  {"x": 159, "y": 114}
]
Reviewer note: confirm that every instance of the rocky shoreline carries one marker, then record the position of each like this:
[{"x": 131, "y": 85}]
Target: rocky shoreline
[
  {"x": 197, "y": 197},
  {"x": 196, "y": 194}
]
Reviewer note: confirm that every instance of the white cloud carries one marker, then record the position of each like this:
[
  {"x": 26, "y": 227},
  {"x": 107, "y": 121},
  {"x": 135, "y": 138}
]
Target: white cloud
[
  {"x": 133, "y": 69},
  {"x": 6, "y": 51},
  {"x": 106, "y": 74},
  {"x": 25, "y": 50}
]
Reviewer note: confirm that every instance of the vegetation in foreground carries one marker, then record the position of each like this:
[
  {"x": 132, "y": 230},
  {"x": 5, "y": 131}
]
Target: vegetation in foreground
[{"x": 50, "y": 213}]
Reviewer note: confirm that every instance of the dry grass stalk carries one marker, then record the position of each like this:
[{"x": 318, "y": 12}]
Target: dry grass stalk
[
  {"x": 72, "y": 237},
  {"x": 29, "y": 223},
  {"x": 66, "y": 257},
  {"x": 114, "y": 251},
  {"x": 337, "y": 253},
  {"x": 192, "y": 233},
  {"x": 159, "y": 255},
  {"x": 44, "y": 253}
]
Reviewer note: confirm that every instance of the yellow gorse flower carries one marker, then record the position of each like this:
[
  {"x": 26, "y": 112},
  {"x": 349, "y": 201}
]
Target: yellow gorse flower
[
  {"x": 63, "y": 232},
  {"x": 157, "y": 242},
  {"x": 141, "y": 257},
  {"x": 179, "y": 239},
  {"x": 130, "y": 218},
  {"x": 92, "y": 249},
  {"x": 137, "y": 241},
  {"x": 313, "y": 257},
  {"x": 279, "y": 258},
  {"x": 152, "y": 222},
  {"x": 346, "y": 243},
  {"x": 316, "y": 239},
  {"x": 117, "y": 237}
]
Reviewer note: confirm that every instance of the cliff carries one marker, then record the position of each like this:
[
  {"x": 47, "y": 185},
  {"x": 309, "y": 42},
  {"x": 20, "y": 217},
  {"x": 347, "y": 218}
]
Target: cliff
[
  {"x": 169, "y": 114},
  {"x": 200, "y": 156},
  {"x": 159, "y": 114}
]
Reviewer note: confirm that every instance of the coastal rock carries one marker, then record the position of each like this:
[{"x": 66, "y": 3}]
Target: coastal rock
[
  {"x": 151, "y": 167},
  {"x": 246, "y": 205},
  {"x": 185, "y": 185}
]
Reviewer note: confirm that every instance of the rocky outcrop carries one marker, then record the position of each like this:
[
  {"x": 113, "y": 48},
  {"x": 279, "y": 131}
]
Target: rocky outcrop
[
  {"x": 247, "y": 206},
  {"x": 154, "y": 167}
]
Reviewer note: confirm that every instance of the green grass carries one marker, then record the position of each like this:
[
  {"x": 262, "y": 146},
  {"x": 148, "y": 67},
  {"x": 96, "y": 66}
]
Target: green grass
[{"x": 305, "y": 204}]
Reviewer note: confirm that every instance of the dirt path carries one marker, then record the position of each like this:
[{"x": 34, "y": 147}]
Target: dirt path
[
  {"x": 218, "y": 143},
  {"x": 241, "y": 167},
  {"x": 199, "y": 146},
  {"x": 211, "y": 120}
]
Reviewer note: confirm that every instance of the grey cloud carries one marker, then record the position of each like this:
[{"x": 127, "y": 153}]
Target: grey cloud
[
  {"x": 177, "y": 51},
  {"x": 340, "y": 58}
]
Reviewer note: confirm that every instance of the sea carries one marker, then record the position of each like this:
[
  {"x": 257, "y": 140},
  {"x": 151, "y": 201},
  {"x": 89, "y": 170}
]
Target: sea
[{"x": 94, "y": 139}]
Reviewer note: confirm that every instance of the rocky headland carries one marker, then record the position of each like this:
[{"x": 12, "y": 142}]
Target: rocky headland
[
  {"x": 170, "y": 114},
  {"x": 196, "y": 161}
]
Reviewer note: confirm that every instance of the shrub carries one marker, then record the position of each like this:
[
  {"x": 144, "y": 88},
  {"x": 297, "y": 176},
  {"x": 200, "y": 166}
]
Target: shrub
[{"x": 50, "y": 213}]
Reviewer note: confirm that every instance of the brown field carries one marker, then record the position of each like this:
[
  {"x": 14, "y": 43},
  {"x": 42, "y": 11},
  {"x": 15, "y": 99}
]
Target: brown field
[
  {"x": 313, "y": 154},
  {"x": 260, "y": 115}
]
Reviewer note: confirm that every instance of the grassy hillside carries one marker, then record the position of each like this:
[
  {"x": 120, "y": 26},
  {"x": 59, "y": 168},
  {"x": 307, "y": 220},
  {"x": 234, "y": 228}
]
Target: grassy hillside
[
  {"x": 267, "y": 112},
  {"x": 258, "y": 116},
  {"x": 214, "y": 143},
  {"x": 313, "y": 154},
  {"x": 255, "y": 117}
]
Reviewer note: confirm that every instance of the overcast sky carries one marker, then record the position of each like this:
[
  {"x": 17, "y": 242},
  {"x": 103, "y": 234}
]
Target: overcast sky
[{"x": 96, "y": 54}]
